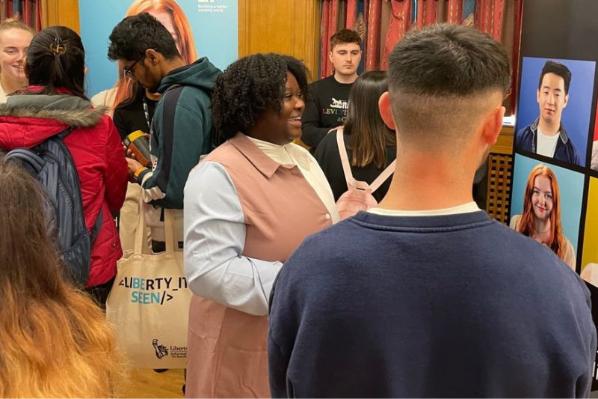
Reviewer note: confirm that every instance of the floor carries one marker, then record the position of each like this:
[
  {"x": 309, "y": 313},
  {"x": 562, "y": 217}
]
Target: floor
[{"x": 146, "y": 383}]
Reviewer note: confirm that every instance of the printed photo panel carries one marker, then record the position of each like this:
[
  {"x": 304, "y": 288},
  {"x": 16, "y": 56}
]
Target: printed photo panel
[
  {"x": 589, "y": 260},
  {"x": 545, "y": 102},
  {"x": 546, "y": 199}
]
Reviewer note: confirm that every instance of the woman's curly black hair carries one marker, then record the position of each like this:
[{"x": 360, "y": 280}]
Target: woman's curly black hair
[{"x": 250, "y": 86}]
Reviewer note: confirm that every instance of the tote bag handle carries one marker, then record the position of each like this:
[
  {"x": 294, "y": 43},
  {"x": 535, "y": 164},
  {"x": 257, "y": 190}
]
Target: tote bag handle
[{"x": 171, "y": 245}]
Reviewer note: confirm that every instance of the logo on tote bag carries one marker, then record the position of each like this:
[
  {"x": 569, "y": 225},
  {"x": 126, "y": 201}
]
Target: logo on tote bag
[
  {"x": 158, "y": 290},
  {"x": 177, "y": 352},
  {"x": 161, "y": 350}
]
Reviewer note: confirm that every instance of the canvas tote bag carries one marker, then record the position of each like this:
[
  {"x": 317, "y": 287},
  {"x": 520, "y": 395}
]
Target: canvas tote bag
[{"x": 149, "y": 303}]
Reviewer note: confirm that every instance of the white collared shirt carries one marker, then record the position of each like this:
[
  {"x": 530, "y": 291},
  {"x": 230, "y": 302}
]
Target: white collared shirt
[{"x": 293, "y": 154}]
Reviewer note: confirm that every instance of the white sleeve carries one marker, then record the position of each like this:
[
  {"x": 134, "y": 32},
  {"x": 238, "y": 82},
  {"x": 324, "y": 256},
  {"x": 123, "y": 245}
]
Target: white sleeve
[{"x": 214, "y": 241}]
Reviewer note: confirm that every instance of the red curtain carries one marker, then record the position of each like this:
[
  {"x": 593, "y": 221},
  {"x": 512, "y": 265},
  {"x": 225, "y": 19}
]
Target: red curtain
[
  {"x": 351, "y": 18},
  {"x": 400, "y": 21},
  {"x": 329, "y": 25},
  {"x": 28, "y": 11},
  {"x": 387, "y": 21},
  {"x": 382, "y": 23},
  {"x": 373, "y": 35},
  {"x": 455, "y": 11}
]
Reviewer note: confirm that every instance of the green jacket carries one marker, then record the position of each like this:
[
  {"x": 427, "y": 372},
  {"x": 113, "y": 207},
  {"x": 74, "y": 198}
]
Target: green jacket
[{"x": 178, "y": 139}]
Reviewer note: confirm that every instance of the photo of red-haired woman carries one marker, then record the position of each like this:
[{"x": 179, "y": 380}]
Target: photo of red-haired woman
[{"x": 541, "y": 216}]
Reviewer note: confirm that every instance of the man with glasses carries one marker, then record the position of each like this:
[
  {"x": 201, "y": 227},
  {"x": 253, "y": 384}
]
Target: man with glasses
[{"x": 182, "y": 123}]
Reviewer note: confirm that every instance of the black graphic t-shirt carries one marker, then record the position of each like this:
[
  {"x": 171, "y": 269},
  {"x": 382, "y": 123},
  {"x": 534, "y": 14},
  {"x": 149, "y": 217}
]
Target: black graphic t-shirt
[
  {"x": 130, "y": 115},
  {"x": 326, "y": 109}
]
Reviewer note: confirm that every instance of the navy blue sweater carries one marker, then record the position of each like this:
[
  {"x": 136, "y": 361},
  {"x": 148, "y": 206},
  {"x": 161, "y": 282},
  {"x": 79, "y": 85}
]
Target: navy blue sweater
[{"x": 436, "y": 306}]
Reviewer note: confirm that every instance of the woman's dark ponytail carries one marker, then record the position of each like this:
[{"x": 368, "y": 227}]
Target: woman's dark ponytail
[{"x": 56, "y": 60}]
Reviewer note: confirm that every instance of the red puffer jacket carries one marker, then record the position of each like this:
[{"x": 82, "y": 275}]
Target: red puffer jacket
[{"x": 28, "y": 120}]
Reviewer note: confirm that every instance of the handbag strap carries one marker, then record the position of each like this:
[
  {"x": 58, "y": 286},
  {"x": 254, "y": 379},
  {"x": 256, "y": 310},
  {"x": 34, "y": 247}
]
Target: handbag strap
[
  {"x": 382, "y": 177},
  {"x": 171, "y": 245},
  {"x": 386, "y": 173},
  {"x": 340, "y": 140}
]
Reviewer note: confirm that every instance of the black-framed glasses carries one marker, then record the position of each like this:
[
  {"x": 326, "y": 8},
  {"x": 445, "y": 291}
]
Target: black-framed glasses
[{"x": 129, "y": 71}]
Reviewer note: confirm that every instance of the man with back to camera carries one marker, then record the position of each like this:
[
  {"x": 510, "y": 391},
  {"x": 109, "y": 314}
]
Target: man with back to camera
[
  {"x": 546, "y": 135},
  {"x": 329, "y": 97},
  {"x": 182, "y": 122},
  {"x": 425, "y": 295}
]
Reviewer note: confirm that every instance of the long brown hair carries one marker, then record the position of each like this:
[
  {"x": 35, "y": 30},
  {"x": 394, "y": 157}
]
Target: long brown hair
[
  {"x": 185, "y": 42},
  {"x": 370, "y": 137},
  {"x": 55, "y": 339},
  {"x": 526, "y": 223}
]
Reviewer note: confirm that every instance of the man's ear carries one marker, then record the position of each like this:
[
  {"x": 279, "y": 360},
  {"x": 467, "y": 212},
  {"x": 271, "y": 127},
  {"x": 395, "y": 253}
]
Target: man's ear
[
  {"x": 385, "y": 107},
  {"x": 493, "y": 125},
  {"x": 153, "y": 56},
  {"x": 330, "y": 56},
  {"x": 566, "y": 100}
]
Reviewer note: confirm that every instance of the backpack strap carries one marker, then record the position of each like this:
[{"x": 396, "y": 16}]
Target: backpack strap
[
  {"x": 93, "y": 234},
  {"x": 382, "y": 177},
  {"x": 340, "y": 140},
  {"x": 33, "y": 161},
  {"x": 169, "y": 100}
]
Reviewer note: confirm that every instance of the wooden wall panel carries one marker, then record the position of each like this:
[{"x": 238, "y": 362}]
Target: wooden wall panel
[
  {"x": 504, "y": 144},
  {"x": 282, "y": 26},
  {"x": 61, "y": 12}
]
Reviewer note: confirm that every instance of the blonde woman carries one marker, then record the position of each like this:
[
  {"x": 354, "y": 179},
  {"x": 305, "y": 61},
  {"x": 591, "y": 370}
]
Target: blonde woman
[{"x": 15, "y": 37}]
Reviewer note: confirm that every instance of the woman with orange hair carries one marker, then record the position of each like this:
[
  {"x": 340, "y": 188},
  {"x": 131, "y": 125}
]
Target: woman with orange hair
[
  {"x": 172, "y": 16},
  {"x": 541, "y": 217},
  {"x": 55, "y": 339}
]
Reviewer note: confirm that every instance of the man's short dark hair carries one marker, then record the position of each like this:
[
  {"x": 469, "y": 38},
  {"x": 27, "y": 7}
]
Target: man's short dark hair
[
  {"x": 448, "y": 60},
  {"x": 440, "y": 79},
  {"x": 558, "y": 69},
  {"x": 345, "y": 36},
  {"x": 135, "y": 34}
]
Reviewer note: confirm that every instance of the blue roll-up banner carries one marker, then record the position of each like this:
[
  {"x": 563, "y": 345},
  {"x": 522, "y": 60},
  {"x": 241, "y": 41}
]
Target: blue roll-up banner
[{"x": 210, "y": 25}]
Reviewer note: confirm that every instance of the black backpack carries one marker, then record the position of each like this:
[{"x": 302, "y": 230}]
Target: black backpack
[{"x": 52, "y": 165}]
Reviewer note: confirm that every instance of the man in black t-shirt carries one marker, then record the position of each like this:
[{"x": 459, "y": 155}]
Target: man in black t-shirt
[{"x": 329, "y": 97}]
